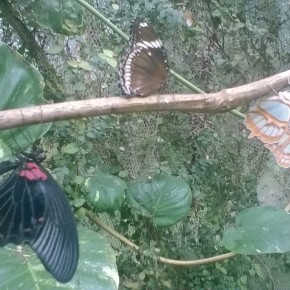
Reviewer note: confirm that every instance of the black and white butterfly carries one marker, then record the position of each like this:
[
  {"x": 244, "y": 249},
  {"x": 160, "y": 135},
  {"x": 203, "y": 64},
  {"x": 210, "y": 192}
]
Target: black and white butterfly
[
  {"x": 144, "y": 69},
  {"x": 34, "y": 210}
]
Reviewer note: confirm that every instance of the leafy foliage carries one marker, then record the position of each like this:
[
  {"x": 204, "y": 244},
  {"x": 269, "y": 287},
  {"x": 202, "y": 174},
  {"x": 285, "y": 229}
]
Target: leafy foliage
[
  {"x": 105, "y": 192},
  {"x": 21, "y": 86},
  {"x": 96, "y": 269},
  {"x": 259, "y": 230},
  {"x": 65, "y": 17},
  {"x": 165, "y": 199},
  {"x": 229, "y": 43}
]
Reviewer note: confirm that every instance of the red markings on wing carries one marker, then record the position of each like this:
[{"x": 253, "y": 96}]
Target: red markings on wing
[{"x": 32, "y": 172}]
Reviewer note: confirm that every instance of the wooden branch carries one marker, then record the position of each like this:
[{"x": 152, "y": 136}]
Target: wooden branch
[{"x": 222, "y": 101}]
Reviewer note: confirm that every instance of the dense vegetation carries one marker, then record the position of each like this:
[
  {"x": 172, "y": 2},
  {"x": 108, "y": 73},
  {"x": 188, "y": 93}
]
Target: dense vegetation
[{"x": 229, "y": 43}]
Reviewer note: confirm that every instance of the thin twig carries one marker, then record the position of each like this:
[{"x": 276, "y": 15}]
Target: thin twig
[{"x": 164, "y": 260}]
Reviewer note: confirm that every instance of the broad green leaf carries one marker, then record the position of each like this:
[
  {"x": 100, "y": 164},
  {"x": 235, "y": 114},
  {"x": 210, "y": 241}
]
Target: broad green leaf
[
  {"x": 78, "y": 202},
  {"x": 18, "y": 80},
  {"x": 105, "y": 192},
  {"x": 73, "y": 63},
  {"x": 80, "y": 123},
  {"x": 115, "y": 6},
  {"x": 165, "y": 199},
  {"x": 5, "y": 150},
  {"x": 79, "y": 64},
  {"x": 85, "y": 65},
  {"x": 81, "y": 214},
  {"x": 102, "y": 56},
  {"x": 123, "y": 173},
  {"x": 96, "y": 269},
  {"x": 108, "y": 57},
  {"x": 112, "y": 62},
  {"x": 79, "y": 179},
  {"x": 21, "y": 85},
  {"x": 65, "y": 17},
  {"x": 259, "y": 230},
  {"x": 108, "y": 52},
  {"x": 70, "y": 148}
]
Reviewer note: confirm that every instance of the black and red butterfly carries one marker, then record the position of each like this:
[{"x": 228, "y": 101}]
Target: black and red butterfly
[{"x": 34, "y": 210}]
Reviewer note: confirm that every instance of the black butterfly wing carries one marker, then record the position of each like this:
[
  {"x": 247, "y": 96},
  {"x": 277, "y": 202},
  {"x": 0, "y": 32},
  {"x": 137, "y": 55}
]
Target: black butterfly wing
[
  {"x": 56, "y": 243},
  {"x": 34, "y": 209},
  {"x": 144, "y": 69},
  {"x": 21, "y": 213},
  {"x": 149, "y": 73}
]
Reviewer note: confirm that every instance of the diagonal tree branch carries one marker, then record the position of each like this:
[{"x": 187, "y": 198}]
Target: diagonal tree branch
[{"x": 222, "y": 101}]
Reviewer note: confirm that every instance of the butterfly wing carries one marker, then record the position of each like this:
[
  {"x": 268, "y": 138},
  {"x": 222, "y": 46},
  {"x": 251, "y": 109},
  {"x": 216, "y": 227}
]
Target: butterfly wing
[
  {"x": 281, "y": 151},
  {"x": 34, "y": 209},
  {"x": 56, "y": 243},
  {"x": 21, "y": 213},
  {"x": 144, "y": 69},
  {"x": 269, "y": 119},
  {"x": 269, "y": 122}
]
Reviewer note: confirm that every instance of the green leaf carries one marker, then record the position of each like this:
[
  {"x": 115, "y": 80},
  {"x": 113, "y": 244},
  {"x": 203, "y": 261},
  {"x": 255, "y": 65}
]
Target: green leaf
[
  {"x": 165, "y": 199},
  {"x": 112, "y": 62},
  {"x": 102, "y": 56},
  {"x": 21, "y": 85},
  {"x": 142, "y": 275},
  {"x": 78, "y": 202},
  {"x": 73, "y": 63},
  {"x": 107, "y": 55},
  {"x": 259, "y": 230},
  {"x": 79, "y": 64},
  {"x": 70, "y": 148},
  {"x": 81, "y": 214},
  {"x": 96, "y": 269},
  {"x": 79, "y": 179},
  {"x": 5, "y": 150},
  {"x": 115, "y": 6},
  {"x": 85, "y": 65},
  {"x": 244, "y": 279},
  {"x": 108, "y": 52},
  {"x": 105, "y": 192},
  {"x": 18, "y": 80},
  {"x": 123, "y": 173}
]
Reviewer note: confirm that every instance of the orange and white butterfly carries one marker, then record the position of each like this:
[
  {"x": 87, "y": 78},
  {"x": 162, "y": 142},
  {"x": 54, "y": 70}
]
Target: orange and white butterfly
[{"x": 269, "y": 121}]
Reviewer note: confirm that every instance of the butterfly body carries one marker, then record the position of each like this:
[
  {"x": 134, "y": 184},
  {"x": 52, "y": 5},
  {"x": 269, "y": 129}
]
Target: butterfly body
[
  {"x": 269, "y": 121},
  {"x": 34, "y": 210},
  {"x": 144, "y": 69}
]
